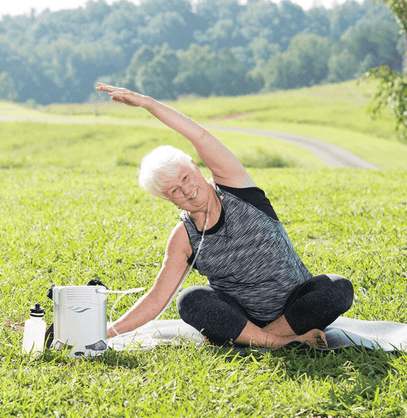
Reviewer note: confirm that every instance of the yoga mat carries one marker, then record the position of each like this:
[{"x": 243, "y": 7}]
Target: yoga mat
[{"x": 344, "y": 332}]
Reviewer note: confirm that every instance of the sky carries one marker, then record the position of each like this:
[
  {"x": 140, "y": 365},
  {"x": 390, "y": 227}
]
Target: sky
[{"x": 18, "y": 7}]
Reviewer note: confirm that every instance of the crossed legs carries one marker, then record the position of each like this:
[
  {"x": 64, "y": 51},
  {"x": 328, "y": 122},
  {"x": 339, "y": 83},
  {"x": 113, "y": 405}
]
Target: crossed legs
[{"x": 311, "y": 307}]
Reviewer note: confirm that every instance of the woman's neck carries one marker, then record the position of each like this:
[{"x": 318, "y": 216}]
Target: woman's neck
[{"x": 210, "y": 216}]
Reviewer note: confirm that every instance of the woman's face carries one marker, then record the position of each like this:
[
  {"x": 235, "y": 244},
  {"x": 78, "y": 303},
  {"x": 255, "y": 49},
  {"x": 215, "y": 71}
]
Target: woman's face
[{"x": 188, "y": 189}]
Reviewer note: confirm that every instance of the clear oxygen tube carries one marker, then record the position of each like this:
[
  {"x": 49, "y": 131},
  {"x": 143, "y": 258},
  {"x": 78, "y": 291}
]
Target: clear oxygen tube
[
  {"x": 122, "y": 294},
  {"x": 139, "y": 289}
]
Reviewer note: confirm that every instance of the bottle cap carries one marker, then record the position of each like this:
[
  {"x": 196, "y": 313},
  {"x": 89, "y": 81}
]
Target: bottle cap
[{"x": 37, "y": 311}]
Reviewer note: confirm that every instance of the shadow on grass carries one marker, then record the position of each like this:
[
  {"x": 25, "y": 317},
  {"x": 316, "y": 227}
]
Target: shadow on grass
[
  {"x": 349, "y": 378},
  {"x": 297, "y": 359},
  {"x": 301, "y": 358},
  {"x": 110, "y": 358}
]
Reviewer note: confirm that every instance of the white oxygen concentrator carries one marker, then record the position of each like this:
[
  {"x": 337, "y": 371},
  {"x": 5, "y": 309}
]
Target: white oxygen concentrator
[{"x": 80, "y": 319}]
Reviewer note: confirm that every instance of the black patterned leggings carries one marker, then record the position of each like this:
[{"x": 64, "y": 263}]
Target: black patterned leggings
[{"x": 313, "y": 304}]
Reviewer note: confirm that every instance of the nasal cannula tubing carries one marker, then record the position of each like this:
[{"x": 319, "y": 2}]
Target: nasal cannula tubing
[{"x": 139, "y": 289}]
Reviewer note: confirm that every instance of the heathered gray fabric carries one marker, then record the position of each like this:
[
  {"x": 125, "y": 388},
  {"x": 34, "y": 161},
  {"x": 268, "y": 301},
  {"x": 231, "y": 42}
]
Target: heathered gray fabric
[{"x": 250, "y": 258}]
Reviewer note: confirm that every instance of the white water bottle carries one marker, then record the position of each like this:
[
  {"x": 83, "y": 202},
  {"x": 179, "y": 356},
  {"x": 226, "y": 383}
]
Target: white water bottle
[{"x": 34, "y": 331}]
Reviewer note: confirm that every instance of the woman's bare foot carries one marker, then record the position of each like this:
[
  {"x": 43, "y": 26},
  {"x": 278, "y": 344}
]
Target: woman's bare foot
[
  {"x": 314, "y": 338},
  {"x": 278, "y": 334}
]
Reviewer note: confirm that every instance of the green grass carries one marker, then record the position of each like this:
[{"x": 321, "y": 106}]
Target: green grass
[
  {"x": 29, "y": 144},
  {"x": 12, "y": 109},
  {"x": 71, "y": 210},
  {"x": 341, "y": 106},
  {"x": 334, "y": 113},
  {"x": 68, "y": 225}
]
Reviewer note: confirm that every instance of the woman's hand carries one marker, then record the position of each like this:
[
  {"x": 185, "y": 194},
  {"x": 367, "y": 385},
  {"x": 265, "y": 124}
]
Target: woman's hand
[{"x": 123, "y": 95}]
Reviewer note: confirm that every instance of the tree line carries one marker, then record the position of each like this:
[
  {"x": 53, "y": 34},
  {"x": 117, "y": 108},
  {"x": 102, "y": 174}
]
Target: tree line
[
  {"x": 169, "y": 48},
  {"x": 392, "y": 84}
]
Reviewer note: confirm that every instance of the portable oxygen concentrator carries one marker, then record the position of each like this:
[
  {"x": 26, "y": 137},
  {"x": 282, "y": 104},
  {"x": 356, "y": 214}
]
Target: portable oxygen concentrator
[{"x": 80, "y": 319}]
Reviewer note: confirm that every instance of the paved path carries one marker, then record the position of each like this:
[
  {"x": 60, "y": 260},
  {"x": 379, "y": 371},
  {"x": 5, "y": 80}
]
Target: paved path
[{"x": 330, "y": 154}]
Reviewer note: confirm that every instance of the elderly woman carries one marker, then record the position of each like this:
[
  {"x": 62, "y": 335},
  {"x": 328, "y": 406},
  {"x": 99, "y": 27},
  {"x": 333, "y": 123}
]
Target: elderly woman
[{"x": 260, "y": 293}]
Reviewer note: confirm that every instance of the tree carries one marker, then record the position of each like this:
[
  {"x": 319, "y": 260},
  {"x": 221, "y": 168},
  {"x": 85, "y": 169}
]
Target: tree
[
  {"x": 342, "y": 66},
  {"x": 259, "y": 20},
  {"x": 219, "y": 21},
  {"x": 204, "y": 71},
  {"x": 291, "y": 22},
  {"x": 188, "y": 82},
  {"x": 392, "y": 85},
  {"x": 317, "y": 21},
  {"x": 70, "y": 70},
  {"x": 214, "y": 10},
  {"x": 121, "y": 27},
  {"x": 345, "y": 16},
  {"x": 305, "y": 63},
  {"x": 362, "y": 47},
  {"x": 378, "y": 39},
  {"x": 7, "y": 88},
  {"x": 228, "y": 75},
  {"x": 167, "y": 27},
  {"x": 58, "y": 56},
  {"x": 151, "y": 7},
  {"x": 155, "y": 78},
  {"x": 223, "y": 34},
  {"x": 262, "y": 50},
  {"x": 140, "y": 59}
]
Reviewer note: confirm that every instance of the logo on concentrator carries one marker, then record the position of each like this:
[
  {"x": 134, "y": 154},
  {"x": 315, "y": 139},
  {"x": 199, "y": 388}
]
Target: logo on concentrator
[{"x": 78, "y": 309}]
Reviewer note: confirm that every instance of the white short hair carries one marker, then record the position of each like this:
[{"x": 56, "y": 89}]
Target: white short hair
[{"x": 159, "y": 166}]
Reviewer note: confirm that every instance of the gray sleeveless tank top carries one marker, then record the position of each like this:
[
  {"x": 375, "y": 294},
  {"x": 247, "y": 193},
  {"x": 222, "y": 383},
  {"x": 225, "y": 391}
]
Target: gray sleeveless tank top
[{"x": 250, "y": 258}]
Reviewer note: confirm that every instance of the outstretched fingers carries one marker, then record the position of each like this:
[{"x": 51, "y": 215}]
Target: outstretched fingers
[
  {"x": 104, "y": 87},
  {"x": 110, "y": 89},
  {"x": 122, "y": 95}
]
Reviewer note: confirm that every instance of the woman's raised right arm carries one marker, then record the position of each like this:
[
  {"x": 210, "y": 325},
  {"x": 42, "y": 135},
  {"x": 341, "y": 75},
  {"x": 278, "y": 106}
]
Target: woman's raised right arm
[{"x": 224, "y": 166}]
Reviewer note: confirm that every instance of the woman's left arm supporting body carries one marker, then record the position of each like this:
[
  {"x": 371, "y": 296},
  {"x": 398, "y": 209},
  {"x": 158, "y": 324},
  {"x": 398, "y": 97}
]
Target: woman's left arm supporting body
[{"x": 172, "y": 272}]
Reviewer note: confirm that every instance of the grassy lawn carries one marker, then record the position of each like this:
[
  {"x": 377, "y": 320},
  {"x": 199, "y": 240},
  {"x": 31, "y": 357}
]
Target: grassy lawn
[
  {"x": 334, "y": 113},
  {"x": 71, "y": 210}
]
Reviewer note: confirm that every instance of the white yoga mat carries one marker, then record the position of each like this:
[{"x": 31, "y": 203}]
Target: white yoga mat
[
  {"x": 344, "y": 332},
  {"x": 156, "y": 332}
]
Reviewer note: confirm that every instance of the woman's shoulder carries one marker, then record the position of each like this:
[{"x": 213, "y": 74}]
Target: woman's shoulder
[
  {"x": 253, "y": 195},
  {"x": 179, "y": 239}
]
